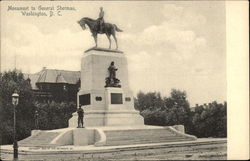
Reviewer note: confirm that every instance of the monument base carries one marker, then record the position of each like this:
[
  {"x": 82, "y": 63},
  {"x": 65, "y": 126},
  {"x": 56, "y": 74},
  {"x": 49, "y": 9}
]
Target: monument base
[
  {"x": 109, "y": 118},
  {"x": 107, "y": 136},
  {"x": 105, "y": 106}
]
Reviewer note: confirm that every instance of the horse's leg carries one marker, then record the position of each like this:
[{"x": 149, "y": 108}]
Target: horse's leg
[
  {"x": 113, "y": 34},
  {"x": 95, "y": 38},
  {"x": 108, "y": 36}
]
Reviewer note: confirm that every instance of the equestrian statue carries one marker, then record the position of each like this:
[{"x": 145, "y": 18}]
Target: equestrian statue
[{"x": 100, "y": 27}]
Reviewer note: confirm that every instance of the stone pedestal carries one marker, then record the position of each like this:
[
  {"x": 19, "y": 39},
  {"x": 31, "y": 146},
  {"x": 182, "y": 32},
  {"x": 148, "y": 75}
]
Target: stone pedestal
[{"x": 105, "y": 106}]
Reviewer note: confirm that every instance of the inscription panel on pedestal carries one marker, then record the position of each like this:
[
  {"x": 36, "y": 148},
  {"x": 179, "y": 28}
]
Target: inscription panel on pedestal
[
  {"x": 116, "y": 98},
  {"x": 84, "y": 99}
]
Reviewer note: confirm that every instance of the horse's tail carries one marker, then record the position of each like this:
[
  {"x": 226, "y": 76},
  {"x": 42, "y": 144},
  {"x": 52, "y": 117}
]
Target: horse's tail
[{"x": 117, "y": 29}]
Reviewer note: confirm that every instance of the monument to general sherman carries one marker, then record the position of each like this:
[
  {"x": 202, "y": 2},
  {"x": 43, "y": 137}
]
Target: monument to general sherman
[{"x": 105, "y": 95}]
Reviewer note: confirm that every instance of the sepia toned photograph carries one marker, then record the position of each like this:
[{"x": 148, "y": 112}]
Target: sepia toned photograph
[{"x": 115, "y": 80}]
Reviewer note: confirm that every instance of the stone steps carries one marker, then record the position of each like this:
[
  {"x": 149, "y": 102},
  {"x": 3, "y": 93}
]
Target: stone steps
[
  {"x": 43, "y": 138},
  {"x": 143, "y": 136},
  {"x": 138, "y": 135},
  {"x": 143, "y": 142},
  {"x": 152, "y": 138}
]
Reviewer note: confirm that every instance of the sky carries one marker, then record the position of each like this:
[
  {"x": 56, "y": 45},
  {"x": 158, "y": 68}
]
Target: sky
[{"x": 168, "y": 44}]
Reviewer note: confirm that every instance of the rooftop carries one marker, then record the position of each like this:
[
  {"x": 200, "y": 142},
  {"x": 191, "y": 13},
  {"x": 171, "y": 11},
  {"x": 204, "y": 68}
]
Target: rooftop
[{"x": 53, "y": 76}]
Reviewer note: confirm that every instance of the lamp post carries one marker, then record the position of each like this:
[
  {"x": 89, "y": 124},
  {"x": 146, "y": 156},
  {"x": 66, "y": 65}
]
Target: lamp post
[
  {"x": 36, "y": 120},
  {"x": 15, "y": 98}
]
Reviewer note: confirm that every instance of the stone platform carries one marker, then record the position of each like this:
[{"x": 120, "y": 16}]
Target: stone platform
[
  {"x": 106, "y": 136},
  {"x": 200, "y": 149}
]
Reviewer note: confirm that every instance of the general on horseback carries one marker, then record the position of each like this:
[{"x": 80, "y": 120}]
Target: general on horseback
[{"x": 100, "y": 27}]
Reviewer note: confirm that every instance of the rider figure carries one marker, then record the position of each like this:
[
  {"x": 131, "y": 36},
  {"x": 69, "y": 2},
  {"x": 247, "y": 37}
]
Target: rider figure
[{"x": 101, "y": 20}]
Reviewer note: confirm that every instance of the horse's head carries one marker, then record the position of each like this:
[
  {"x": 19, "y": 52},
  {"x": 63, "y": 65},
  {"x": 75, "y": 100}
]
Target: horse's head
[{"x": 82, "y": 23}]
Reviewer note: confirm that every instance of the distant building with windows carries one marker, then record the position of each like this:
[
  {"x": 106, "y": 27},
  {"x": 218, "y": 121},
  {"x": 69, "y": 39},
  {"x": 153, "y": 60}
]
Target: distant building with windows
[{"x": 55, "y": 85}]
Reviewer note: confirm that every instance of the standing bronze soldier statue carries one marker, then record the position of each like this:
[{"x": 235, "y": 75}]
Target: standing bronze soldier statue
[
  {"x": 100, "y": 27},
  {"x": 112, "y": 69},
  {"x": 80, "y": 113},
  {"x": 112, "y": 81}
]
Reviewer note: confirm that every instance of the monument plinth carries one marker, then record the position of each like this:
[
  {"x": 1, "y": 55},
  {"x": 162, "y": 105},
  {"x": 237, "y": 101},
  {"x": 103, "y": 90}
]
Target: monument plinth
[{"x": 105, "y": 106}]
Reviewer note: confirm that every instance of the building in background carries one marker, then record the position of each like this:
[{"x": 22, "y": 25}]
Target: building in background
[{"x": 55, "y": 85}]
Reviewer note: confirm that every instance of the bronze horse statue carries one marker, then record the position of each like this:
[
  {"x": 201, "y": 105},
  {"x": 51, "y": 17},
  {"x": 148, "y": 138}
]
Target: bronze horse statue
[{"x": 108, "y": 29}]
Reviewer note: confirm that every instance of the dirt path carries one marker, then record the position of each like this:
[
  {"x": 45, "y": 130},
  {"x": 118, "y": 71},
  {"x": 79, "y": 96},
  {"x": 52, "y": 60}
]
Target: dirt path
[{"x": 191, "y": 152}]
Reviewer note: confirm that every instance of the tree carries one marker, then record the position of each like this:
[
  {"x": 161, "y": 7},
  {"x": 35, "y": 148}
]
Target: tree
[
  {"x": 178, "y": 109},
  {"x": 164, "y": 111},
  {"x": 51, "y": 115},
  {"x": 151, "y": 100},
  {"x": 9, "y": 82},
  {"x": 208, "y": 120},
  {"x": 54, "y": 115},
  {"x": 154, "y": 117},
  {"x": 211, "y": 121}
]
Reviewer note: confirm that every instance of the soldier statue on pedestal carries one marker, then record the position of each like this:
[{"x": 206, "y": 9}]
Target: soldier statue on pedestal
[
  {"x": 112, "y": 81},
  {"x": 80, "y": 113}
]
